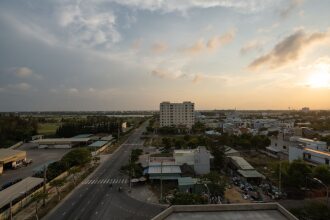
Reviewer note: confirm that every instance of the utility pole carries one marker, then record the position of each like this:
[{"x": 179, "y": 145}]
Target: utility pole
[
  {"x": 130, "y": 172},
  {"x": 44, "y": 186},
  {"x": 161, "y": 181},
  {"x": 280, "y": 177}
]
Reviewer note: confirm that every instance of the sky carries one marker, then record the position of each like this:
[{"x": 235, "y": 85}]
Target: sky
[{"x": 133, "y": 54}]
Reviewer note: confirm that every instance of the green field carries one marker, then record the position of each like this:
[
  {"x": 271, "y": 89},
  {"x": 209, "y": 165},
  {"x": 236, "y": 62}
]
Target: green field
[{"x": 47, "y": 128}]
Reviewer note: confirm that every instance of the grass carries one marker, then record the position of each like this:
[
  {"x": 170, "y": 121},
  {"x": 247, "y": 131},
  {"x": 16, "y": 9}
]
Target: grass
[{"x": 47, "y": 128}]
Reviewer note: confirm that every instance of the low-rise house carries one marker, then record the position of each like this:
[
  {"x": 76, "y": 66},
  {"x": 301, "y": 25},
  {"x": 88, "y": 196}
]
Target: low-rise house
[
  {"x": 199, "y": 158},
  {"x": 163, "y": 171}
]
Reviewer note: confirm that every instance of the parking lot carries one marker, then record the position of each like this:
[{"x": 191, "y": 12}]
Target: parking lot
[{"x": 38, "y": 156}]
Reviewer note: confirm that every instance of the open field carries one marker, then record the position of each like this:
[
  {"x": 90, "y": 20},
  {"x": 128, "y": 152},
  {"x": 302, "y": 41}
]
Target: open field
[{"x": 47, "y": 128}]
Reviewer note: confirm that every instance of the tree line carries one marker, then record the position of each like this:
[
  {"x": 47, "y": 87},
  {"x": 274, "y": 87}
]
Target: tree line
[
  {"x": 14, "y": 129},
  {"x": 90, "y": 125}
]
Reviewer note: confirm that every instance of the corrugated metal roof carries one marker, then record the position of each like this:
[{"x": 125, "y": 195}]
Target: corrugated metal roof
[
  {"x": 241, "y": 163},
  {"x": 60, "y": 140},
  {"x": 83, "y": 136},
  {"x": 164, "y": 169},
  {"x": 98, "y": 144},
  {"x": 7, "y": 153},
  {"x": 250, "y": 174},
  {"x": 16, "y": 190}
]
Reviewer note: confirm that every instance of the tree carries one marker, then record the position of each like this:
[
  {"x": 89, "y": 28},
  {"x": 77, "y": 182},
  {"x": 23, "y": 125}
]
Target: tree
[
  {"x": 297, "y": 173},
  {"x": 322, "y": 172},
  {"x": 54, "y": 169},
  {"x": 312, "y": 211},
  {"x": 219, "y": 157},
  {"x": 215, "y": 183},
  {"x": 73, "y": 171},
  {"x": 57, "y": 184},
  {"x": 198, "y": 127},
  {"x": 181, "y": 198},
  {"x": 37, "y": 198},
  {"x": 77, "y": 157}
]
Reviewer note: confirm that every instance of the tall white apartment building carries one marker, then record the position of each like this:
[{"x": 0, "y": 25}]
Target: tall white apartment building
[{"x": 173, "y": 114}]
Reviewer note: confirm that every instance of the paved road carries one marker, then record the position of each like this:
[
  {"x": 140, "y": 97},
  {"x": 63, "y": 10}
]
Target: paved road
[{"x": 94, "y": 199}]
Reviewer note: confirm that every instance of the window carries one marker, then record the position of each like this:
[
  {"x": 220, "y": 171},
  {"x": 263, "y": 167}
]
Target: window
[{"x": 284, "y": 147}]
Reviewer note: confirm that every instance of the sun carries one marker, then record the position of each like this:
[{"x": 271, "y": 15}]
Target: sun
[{"x": 320, "y": 79}]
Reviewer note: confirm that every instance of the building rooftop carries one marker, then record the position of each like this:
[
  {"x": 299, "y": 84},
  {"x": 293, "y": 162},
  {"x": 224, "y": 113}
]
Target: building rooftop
[
  {"x": 269, "y": 211},
  {"x": 16, "y": 190},
  {"x": 6, "y": 154},
  {"x": 60, "y": 140},
  {"x": 317, "y": 151},
  {"x": 165, "y": 169},
  {"x": 83, "y": 136},
  {"x": 98, "y": 144},
  {"x": 241, "y": 163},
  {"x": 250, "y": 174}
]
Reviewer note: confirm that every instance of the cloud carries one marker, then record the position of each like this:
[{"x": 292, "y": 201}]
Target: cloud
[
  {"x": 197, "y": 78},
  {"x": 196, "y": 48},
  {"x": 88, "y": 24},
  {"x": 73, "y": 90},
  {"x": 244, "y": 6},
  {"x": 166, "y": 74},
  {"x": 24, "y": 72},
  {"x": 2, "y": 89},
  {"x": 290, "y": 49},
  {"x": 136, "y": 44},
  {"x": 293, "y": 4},
  {"x": 254, "y": 45},
  {"x": 20, "y": 86},
  {"x": 180, "y": 75},
  {"x": 159, "y": 47},
  {"x": 212, "y": 44},
  {"x": 219, "y": 41}
]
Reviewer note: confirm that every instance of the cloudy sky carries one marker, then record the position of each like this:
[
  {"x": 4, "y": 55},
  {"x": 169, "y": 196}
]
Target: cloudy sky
[{"x": 133, "y": 54}]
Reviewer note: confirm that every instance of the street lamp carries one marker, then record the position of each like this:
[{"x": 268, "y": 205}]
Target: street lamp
[{"x": 326, "y": 187}]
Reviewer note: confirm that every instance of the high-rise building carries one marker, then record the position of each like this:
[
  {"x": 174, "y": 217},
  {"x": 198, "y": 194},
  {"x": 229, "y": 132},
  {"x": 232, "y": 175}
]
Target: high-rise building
[{"x": 177, "y": 114}]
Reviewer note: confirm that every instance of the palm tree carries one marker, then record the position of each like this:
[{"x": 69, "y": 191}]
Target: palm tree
[
  {"x": 37, "y": 197},
  {"x": 57, "y": 184}
]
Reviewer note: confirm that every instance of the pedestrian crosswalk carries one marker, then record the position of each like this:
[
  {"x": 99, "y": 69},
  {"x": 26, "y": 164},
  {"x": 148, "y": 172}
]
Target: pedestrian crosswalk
[{"x": 105, "y": 181}]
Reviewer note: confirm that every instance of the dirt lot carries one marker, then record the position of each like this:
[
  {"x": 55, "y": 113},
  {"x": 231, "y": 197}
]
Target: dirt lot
[
  {"x": 39, "y": 157},
  {"x": 234, "y": 196}
]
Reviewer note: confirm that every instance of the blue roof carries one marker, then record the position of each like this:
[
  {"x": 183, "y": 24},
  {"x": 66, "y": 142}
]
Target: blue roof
[
  {"x": 82, "y": 136},
  {"x": 98, "y": 144},
  {"x": 41, "y": 167},
  {"x": 186, "y": 181}
]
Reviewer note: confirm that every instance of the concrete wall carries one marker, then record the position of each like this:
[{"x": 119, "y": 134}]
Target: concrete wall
[{"x": 226, "y": 207}]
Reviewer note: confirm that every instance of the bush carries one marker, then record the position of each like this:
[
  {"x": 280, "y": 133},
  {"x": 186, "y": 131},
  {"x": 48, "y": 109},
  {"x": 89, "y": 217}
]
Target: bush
[
  {"x": 77, "y": 157},
  {"x": 181, "y": 198}
]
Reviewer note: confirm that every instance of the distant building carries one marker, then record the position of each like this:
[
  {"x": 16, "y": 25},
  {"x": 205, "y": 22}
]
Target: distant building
[
  {"x": 177, "y": 114},
  {"x": 305, "y": 109},
  {"x": 316, "y": 157},
  {"x": 312, "y": 151},
  {"x": 199, "y": 158}
]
